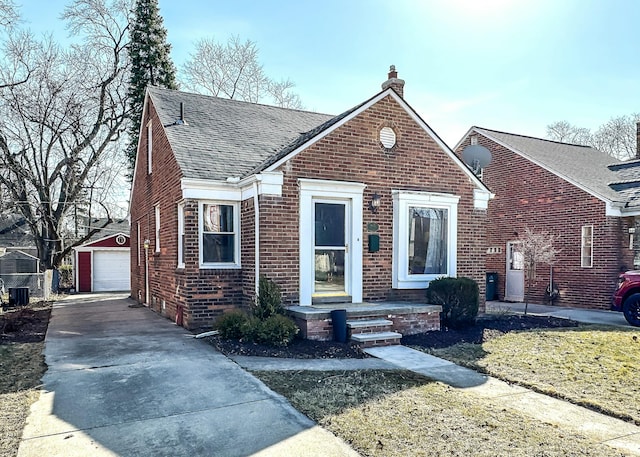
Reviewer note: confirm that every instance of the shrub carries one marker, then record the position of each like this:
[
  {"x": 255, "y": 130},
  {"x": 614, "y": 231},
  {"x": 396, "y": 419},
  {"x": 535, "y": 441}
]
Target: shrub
[
  {"x": 458, "y": 298},
  {"x": 232, "y": 325},
  {"x": 276, "y": 330},
  {"x": 269, "y": 301}
]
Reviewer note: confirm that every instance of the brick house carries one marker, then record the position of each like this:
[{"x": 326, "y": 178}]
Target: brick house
[
  {"x": 578, "y": 194},
  {"x": 332, "y": 208}
]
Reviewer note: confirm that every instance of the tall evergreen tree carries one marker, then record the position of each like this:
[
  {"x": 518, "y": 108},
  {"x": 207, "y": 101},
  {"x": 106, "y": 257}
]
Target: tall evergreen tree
[{"x": 150, "y": 65}]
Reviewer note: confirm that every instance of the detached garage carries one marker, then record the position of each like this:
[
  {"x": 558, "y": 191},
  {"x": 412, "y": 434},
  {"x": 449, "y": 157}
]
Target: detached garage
[{"x": 103, "y": 265}]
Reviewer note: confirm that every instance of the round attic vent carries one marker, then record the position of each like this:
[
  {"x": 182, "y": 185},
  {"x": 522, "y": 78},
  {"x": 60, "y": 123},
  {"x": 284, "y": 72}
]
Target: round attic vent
[
  {"x": 387, "y": 137},
  {"x": 120, "y": 239}
]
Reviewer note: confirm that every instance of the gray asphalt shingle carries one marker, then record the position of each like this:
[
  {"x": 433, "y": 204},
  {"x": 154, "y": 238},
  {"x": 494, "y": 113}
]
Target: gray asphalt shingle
[
  {"x": 582, "y": 165},
  {"x": 228, "y": 138}
]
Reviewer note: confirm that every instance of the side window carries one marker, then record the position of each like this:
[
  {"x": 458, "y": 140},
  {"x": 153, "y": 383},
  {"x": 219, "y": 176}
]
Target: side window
[
  {"x": 149, "y": 147},
  {"x": 157, "y": 211},
  {"x": 181, "y": 243},
  {"x": 219, "y": 235},
  {"x": 586, "y": 250}
]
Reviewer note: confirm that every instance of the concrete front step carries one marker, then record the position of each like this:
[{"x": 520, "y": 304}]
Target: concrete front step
[
  {"x": 367, "y": 340},
  {"x": 369, "y": 325}
]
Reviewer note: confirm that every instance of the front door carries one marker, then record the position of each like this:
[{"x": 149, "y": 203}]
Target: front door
[
  {"x": 514, "y": 282},
  {"x": 331, "y": 248}
]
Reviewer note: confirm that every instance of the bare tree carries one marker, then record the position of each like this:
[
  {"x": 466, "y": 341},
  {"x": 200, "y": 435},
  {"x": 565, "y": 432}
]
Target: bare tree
[
  {"x": 8, "y": 13},
  {"x": 59, "y": 125},
  {"x": 232, "y": 70},
  {"x": 616, "y": 137},
  {"x": 565, "y": 132},
  {"x": 535, "y": 248}
]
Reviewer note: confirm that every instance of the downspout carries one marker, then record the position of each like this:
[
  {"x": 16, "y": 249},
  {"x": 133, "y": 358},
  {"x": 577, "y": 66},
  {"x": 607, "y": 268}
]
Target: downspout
[{"x": 256, "y": 208}]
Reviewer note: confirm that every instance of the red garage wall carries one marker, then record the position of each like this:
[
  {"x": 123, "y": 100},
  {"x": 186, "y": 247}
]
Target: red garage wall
[
  {"x": 110, "y": 243},
  {"x": 84, "y": 271}
]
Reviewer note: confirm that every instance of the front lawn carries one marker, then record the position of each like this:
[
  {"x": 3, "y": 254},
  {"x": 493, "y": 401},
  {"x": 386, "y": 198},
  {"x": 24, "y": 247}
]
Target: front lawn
[
  {"x": 593, "y": 366},
  {"x": 396, "y": 413},
  {"x": 21, "y": 368}
]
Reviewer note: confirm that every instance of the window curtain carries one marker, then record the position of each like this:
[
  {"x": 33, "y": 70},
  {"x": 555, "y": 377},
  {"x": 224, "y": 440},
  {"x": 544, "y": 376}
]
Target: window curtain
[{"x": 428, "y": 232}]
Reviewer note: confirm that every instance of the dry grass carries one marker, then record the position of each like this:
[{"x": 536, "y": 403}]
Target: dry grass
[
  {"x": 591, "y": 366},
  {"x": 21, "y": 368},
  {"x": 393, "y": 414}
]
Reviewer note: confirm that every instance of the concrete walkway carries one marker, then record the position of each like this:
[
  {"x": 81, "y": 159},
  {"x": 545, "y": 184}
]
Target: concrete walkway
[
  {"x": 600, "y": 428},
  {"x": 124, "y": 381}
]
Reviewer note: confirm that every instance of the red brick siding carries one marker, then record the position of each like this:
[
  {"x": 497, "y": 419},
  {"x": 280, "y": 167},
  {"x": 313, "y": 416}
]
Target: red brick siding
[
  {"x": 530, "y": 196},
  {"x": 201, "y": 294},
  {"x": 353, "y": 153},
  {"x": 110, "y": 243},
  {"x": 350, "y": 153}
]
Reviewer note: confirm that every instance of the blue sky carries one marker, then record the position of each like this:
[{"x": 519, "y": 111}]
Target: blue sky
[{"x": 508, "y": 65}]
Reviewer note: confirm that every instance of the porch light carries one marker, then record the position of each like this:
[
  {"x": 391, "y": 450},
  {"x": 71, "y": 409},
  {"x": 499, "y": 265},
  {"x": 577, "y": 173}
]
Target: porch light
[
  {"x": 146, "y": 244},
  {"x": 374, "y": 204}
]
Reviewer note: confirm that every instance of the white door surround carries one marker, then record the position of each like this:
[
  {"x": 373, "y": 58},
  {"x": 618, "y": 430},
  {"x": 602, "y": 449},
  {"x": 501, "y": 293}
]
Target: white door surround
[
  {"x": 514, "y": 278},
  {"x": 324, "y": 191}
]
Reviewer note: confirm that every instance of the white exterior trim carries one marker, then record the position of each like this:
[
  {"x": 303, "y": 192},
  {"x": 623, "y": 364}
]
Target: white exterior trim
[
  {"x": 101, "y": 248},
  {"x": 338, "y": 190},
  {"x": 235, "y": 190},
  {"x": 401, "y": 279}
]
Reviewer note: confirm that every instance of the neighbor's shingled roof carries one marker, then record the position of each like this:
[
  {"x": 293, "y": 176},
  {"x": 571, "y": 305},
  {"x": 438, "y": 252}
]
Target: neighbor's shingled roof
[
  {"x": 228, "y": 138},
  {"x": 582, "y": 165},
  {"x": 628, "y": 181}
]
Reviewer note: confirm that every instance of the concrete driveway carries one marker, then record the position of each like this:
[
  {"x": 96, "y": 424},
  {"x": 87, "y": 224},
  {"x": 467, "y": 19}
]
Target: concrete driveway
[{"x": 125, "y": 381}]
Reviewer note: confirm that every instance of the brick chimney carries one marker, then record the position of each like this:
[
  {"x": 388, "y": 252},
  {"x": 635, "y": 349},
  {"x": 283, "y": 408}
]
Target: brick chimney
[
  {"x": 395, "y": 83},
  {"x": 638, "y": 140}
]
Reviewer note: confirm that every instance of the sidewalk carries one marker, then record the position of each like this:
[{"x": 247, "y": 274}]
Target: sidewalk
[
  {"x": 587, "y": 316},
  {"x": 124, "y": 381}
]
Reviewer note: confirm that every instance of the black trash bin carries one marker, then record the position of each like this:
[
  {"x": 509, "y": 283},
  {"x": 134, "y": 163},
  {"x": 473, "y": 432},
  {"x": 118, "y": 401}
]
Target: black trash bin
[
  {"x": 339, "y": 324},
  {"x": 18, "y": 296},
  {"x": 492, "y": 286}
]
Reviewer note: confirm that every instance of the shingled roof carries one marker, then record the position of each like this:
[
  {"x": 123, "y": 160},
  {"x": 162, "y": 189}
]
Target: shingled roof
[
  {"x": 223, "y": 138},
  {"x": 628, "y": 182},
  {"x": 581, "y": 165}
]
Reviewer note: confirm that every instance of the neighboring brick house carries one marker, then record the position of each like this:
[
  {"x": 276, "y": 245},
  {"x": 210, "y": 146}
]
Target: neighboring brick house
[
  {"x": 225, "y": 191},
  {"x": 578, "y": 194}
]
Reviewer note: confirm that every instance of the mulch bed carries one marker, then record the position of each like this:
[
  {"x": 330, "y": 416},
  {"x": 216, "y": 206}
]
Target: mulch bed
[
  {"x": 24, "y": 325},
  {"x": 486, "y": 328}
]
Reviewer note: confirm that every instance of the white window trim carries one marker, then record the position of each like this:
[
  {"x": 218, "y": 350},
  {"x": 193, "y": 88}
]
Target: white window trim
[
  {"x": 149, "y": 147},
  {"x": 180, "y": 260},
  {"x": 582, "y": 247},
  {"x": 236, "y": 240},
  {"x": 402, "y": 200},
  {"x": 157, "y": 226}
]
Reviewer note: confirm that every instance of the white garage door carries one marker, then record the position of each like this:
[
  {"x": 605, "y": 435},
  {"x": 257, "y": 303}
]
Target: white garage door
[{"x": 111, "y": 271}]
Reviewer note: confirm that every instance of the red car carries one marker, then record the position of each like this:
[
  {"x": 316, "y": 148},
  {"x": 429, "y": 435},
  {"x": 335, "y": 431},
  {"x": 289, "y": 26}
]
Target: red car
[{"x": 626, "y": 298}]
